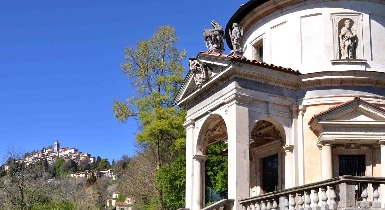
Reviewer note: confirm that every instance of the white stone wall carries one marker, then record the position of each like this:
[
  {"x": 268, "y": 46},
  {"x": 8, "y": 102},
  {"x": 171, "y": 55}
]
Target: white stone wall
[{"x": 303, "y": 36}]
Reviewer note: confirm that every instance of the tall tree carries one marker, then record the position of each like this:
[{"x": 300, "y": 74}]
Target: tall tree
[
  {"x": 23, "y": 185},
  {"x": 155, "y": 69}
]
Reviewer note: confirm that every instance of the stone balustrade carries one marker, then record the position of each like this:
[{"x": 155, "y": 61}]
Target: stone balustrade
[
  {"x": 224, "y": 204},
  {"x": 340, "y": 192}
]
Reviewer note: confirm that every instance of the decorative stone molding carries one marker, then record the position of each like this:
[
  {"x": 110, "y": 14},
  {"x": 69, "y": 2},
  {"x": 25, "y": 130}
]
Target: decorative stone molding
[
  {"x": 288, "y": 148},
  {"x": 189, "y": 123},
  {"x": 202, "y": 73},
  {"x": 219, "y": 130},
  {"x": 200, "y": 158}
]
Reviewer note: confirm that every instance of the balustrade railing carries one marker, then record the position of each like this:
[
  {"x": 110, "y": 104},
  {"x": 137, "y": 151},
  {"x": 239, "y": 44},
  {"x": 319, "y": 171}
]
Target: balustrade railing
[
  {"x": 224, "y": 204},
  {"x": 339, "y": 192}
]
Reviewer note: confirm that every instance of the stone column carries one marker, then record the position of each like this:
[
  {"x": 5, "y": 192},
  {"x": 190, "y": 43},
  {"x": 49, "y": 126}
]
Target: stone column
[
  {"x": 198, "y": 202},
  {"x": 300, "y": 145},
  {"x": 288, "y": 166},
  {"x": 326, "y": 162},
  {"x": 382, "y": 190},
  {"x": 237, "y": 123},
  {"x": 294, "y": 141},
  {"x": 190, "y": 126}
]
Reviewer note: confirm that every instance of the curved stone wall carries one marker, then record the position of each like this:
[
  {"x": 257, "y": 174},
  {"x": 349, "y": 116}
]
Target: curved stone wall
[{"x": 315, "y": 36}]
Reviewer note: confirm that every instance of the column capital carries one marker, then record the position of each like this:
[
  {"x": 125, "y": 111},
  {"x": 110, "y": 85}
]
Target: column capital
[
  {"x": 188, "y": 123},
  {"x": 200, "y": 158},
  {"x": 302, "y": 109},
  {"x": 238, "y": 98},
  {"x": 288, "y": 148},
  {"x": 381, "y": 142}
]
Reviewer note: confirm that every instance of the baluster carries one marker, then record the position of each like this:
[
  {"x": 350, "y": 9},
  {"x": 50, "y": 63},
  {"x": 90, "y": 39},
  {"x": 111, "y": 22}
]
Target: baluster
[
  {"x": 268, "y": 205},
  {"x": 332, "y": 198},
  {"x": 324, "y": 198},
  {"x": 263, "y": 205},
  {"x": 256, "y": 206},
  {"x": 291, "y": 202},
  {"x": 275, "y": 205},
  {"x": 300, "y": 201},
  {"x": 316, "y": 200},
  {"x": 307, "y": 200},
  {"x": 364, "y": 195},
  {"x": 376, "y": 195},
  {"x": 246, "y": 206},
  {"x": 286, "y": 203}
]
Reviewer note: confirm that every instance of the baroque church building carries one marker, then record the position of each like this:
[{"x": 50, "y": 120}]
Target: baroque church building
[{"x": 300, "y": 102}]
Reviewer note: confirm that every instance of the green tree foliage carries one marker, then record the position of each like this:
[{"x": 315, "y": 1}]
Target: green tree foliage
[
  {"x": 23, "y": 185},
  {"x": 154, "y": 66},
  {"x": 69, "y": 167},
  {"x": 58, "y": 164},
  {"x": 172, "y": 179},
  {"x": 103, "y": 164},
  {"x": 216, "y": 172}
]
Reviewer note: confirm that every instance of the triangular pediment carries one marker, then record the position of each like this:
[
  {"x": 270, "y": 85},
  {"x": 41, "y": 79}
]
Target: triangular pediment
[
  {"x": 354, "y": 112},
  {"x": 358, "y": 114},
  {"x": 201, "y": 72}
]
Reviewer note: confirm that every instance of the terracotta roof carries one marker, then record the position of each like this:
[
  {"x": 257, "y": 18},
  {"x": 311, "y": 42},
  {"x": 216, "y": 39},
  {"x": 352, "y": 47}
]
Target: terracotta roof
[
  {"x": 356, "y": 99},
  {"x": 253, "y": 62},
  {"x": 122, "y": 204}
]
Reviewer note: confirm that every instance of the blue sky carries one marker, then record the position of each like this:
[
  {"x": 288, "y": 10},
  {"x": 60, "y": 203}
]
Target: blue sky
[{"x": 60, "y": 66}]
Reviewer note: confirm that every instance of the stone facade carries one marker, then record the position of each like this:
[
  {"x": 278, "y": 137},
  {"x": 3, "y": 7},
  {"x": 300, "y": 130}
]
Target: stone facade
[{"x": 308, "y": 121}]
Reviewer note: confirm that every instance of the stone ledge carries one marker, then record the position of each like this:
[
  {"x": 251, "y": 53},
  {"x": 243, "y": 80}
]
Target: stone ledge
[{"x": 349, "y": 61}]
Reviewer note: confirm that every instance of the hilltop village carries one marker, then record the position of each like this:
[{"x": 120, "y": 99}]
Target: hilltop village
[
  {"x": 52, "y": 154},
  {"x": 83, "y": 161}
]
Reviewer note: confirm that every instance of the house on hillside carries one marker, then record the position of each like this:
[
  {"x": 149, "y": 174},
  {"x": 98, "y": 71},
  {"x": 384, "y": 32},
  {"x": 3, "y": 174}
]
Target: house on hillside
[
  {"x": 300, "y": 101},
  {"x": 113, "y": 203}
]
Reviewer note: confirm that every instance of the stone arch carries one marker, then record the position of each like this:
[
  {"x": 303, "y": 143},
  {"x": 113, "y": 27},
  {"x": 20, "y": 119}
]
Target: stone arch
[
  {"x": 278, "y": 125},
  {"x": 212, "y": 130},
  {"x": 267, "y": 136}
]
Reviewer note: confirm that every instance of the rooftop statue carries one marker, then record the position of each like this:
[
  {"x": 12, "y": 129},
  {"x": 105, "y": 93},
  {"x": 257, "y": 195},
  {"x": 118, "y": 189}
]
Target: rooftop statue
[
  {"x": 235, "y": 36},
  {"x": 348, "y": 41},
  {"x": 214, "y": 38}
]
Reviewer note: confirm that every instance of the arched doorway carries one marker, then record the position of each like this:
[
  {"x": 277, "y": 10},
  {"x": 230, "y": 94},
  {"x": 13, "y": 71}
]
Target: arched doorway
[
  {"x": 267, "y": 157},
  {"x": 212, "y": 145}
]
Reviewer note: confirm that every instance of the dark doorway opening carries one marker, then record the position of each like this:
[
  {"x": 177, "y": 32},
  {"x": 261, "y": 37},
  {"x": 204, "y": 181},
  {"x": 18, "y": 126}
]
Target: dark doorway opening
[
  {"x": 270, "y": 173},
  {"x": 353, "y": 165}
]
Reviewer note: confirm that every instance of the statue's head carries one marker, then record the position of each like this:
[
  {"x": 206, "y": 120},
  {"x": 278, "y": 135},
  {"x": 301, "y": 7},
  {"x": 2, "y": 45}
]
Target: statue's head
[
  {"x": 235, "y": 25},
  {"x": 214, "y": 23},
  {"x": 347, "y": 23}
]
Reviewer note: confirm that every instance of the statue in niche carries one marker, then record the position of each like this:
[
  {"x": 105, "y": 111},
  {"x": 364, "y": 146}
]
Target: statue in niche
[
  {"x": 214, "y": 38},
  {"x": 348, "y": 41},
  {"x": 235, "y": 36},
  {"x": 201, "y": 72}
]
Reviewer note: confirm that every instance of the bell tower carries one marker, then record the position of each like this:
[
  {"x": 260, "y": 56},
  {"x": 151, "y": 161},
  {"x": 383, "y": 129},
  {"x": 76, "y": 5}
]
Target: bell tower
[{"x": 57, "y": 147}]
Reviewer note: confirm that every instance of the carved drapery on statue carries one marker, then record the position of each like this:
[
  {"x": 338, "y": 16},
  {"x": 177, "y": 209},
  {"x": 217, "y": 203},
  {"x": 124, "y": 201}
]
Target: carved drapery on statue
[
  {"x": 348, "y": 40},
  {"x": 235, "y": 34},
  {"x": 214, "y": 38},
  {"x": 202, "y": 73},
  {"x": 347, "y": 37}
]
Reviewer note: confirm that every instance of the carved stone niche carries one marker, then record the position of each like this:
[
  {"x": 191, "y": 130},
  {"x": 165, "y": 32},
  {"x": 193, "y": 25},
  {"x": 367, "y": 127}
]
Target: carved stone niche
[{"x": 347, "y": 38}]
